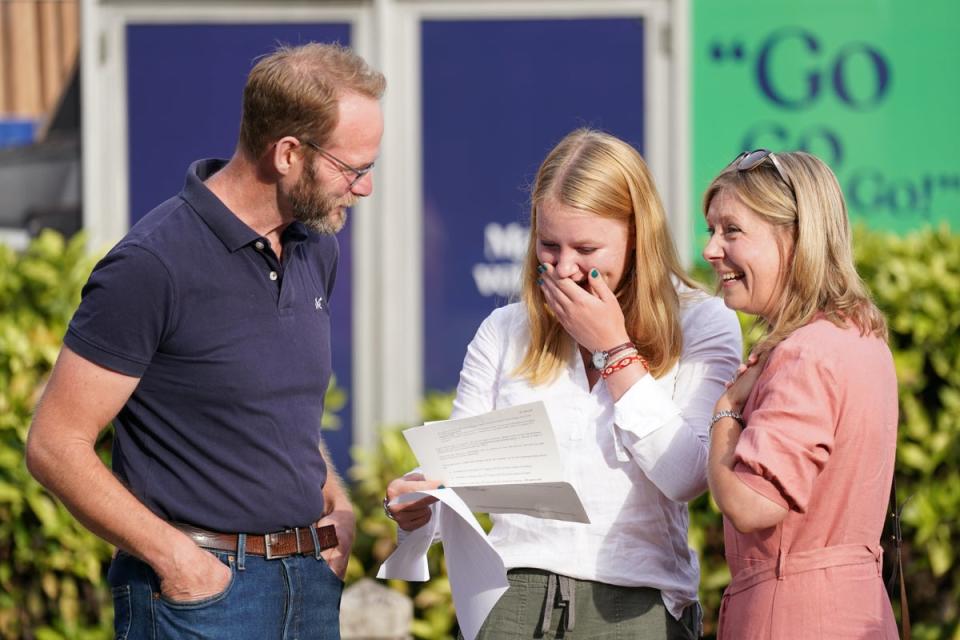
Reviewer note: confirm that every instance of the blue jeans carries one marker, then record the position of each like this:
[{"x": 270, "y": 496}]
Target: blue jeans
[{"x": 297, "y": 597}]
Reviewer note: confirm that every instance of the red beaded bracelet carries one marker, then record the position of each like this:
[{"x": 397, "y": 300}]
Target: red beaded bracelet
[{"x": 622, "y": 364}]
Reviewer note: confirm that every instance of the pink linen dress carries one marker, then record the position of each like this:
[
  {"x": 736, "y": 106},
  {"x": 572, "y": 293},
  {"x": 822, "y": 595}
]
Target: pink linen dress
[{"x": 820, "y": 439}]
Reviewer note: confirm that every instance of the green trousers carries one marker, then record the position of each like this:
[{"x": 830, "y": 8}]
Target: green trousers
[{"x": 540, "y": 604}]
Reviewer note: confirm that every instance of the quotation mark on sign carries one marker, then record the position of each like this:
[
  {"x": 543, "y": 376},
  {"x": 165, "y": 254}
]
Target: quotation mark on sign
[{"x": 734, "y": 51}]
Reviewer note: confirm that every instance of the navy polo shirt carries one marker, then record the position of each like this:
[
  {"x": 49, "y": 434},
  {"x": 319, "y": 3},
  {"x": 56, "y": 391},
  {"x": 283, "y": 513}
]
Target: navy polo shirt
[{"x": 232, "y": 349}]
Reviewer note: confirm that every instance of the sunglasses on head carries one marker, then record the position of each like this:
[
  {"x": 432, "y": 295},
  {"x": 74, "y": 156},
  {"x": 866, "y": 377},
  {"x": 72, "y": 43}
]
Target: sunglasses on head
[{"x": 749, "y": 160}]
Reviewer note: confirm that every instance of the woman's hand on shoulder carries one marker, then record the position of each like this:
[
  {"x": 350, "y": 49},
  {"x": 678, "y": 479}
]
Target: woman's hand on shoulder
[
  {"x": 592, "y": 316},
  {"x": 414, "y": 514}
]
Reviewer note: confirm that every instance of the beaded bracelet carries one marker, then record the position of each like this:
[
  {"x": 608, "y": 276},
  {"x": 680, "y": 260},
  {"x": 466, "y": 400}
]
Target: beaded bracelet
[{"x": 622, "y": 363}]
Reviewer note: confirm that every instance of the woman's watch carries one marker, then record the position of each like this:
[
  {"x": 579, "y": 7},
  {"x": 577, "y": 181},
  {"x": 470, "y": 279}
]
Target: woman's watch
[{"x": 599, "y": 359}]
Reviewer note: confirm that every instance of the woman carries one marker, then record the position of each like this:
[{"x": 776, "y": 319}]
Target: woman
[
  {"x": 629, "y": 358},
  {"x": 802, "y": 444}
]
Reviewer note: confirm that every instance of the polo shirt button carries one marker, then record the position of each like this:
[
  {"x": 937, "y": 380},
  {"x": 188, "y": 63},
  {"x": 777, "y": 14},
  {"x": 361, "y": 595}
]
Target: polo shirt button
[
  {"x": 273, "y": 275},
  {"x": 259, "y": 245}
]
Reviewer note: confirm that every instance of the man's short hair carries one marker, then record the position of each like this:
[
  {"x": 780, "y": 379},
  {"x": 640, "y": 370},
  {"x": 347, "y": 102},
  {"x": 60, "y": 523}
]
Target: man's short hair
[{"x": 294, "y": 91}]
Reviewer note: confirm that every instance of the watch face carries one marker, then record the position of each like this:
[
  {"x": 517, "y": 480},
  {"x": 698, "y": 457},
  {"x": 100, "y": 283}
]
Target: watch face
[{"x": 599, "y": 359}]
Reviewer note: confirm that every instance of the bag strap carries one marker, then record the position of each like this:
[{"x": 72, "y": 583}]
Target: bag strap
[{"x": 896, "y": 510}]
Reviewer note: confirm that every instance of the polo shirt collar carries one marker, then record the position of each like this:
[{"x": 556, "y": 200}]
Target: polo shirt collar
[
  {"x": 231, "y": 231},
  {"x": 296, "y": 231}
]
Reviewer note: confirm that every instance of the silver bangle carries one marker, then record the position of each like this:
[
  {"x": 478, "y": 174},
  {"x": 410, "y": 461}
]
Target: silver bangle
[
  {"x": 726, "y": 413},
  {"x": 386, "y": 508}
]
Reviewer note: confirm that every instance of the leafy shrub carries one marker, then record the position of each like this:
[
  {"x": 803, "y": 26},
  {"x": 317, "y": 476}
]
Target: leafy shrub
[
  {"x": 51, "y": 568},
  {"x": 916, "y": 282}
]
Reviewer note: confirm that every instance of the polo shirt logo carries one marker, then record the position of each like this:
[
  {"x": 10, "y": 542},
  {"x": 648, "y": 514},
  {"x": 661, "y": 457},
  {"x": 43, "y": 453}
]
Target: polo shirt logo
[{"x": 318, "y": 303}]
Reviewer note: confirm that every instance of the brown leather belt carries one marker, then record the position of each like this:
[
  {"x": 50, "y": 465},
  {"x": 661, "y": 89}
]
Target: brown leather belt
[{"x": 271, "y": 546}]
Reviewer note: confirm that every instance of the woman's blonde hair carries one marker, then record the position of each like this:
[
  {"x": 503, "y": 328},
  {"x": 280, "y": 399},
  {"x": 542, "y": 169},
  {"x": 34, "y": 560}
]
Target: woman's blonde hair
[
  {"x": 819, "y": 276},
  {"x": 597, "y": 173}
]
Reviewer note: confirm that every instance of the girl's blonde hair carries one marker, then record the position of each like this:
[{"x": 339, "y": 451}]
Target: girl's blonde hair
[
  {"x": 597, "y": 173},
  {"x": 819, "y": 276}
]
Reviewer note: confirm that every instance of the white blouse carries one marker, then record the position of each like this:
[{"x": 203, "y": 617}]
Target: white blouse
[{"x": 635, "y": 462}]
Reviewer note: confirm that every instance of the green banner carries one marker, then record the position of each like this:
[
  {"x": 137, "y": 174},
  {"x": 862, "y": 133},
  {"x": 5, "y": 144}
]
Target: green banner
[{"x": 869, "y": 86}]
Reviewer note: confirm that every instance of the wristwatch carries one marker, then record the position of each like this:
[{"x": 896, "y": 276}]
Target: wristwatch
[{"x": 599, "y": 359}]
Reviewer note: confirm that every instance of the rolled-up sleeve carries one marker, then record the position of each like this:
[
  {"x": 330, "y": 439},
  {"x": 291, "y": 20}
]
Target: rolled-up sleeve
[
  {"x": 666, "y": 430},
  {"x": 790, "y": 429}
]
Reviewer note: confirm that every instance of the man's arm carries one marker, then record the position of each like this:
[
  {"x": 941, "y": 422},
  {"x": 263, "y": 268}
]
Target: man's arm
[
  {"x": 80, "y": 399},
  {"x": 338, "y": 511}
]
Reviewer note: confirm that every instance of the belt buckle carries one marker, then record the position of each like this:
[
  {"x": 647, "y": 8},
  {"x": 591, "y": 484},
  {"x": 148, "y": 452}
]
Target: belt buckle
[
  {"x": 268, "y": 547},
  {"x": 268, "y": 542}
]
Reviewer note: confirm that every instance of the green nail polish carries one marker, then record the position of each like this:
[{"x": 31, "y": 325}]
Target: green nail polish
[
  {"x": 540, "y": 281},
  {"x": 541, "y": 268},
  {"x": 594, "y": 274}
]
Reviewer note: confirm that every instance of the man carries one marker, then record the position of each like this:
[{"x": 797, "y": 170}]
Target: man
[{"x": 205, "y": 336}]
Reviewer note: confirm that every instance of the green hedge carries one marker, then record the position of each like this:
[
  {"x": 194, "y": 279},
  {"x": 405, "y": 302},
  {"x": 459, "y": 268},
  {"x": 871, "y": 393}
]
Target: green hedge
[
  {"x": 52, "y": 570},
  {"x": 916, "y": 281}
]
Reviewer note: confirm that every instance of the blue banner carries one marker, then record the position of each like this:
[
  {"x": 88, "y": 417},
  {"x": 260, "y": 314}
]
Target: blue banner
[{"x": 497, "y": 96}]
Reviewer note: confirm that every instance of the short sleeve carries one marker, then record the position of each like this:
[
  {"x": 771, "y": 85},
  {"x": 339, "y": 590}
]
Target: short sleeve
[
  {"x": 126, "y": 310},
  {"x": 790, "y": 429}
]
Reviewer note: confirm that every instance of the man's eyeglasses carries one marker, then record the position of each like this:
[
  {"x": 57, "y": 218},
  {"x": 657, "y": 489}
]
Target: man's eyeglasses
[
  {"x": 749, "y": 160},
  {"x": 357, "y": 173}
]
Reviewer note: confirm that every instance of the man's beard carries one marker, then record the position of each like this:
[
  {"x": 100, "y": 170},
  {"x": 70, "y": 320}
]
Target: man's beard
[{"x": 317, "y": 209}]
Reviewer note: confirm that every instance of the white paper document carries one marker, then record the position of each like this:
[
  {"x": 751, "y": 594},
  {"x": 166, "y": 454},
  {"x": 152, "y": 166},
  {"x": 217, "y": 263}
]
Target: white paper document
[
  {"x": 504, "y": 461},
  {"x": 477, "y": 575}
]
